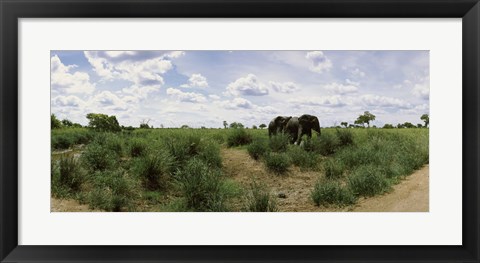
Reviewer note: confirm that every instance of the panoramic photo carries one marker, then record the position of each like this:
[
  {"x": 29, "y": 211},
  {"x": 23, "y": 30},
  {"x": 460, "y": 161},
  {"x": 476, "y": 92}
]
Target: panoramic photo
[{"x": 240, "y": 131}]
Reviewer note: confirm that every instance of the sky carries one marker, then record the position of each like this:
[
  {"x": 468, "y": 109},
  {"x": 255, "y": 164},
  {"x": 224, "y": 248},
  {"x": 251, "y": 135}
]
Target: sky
[{"x": 205, "y": 88}]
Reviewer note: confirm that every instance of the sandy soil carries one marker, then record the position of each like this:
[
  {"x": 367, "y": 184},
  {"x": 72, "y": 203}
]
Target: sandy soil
[
  {"x": 62, "y": 205},
  {"x": 410, "y": 195}
]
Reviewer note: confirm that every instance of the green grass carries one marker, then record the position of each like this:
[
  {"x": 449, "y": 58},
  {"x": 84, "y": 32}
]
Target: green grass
[
  {"x": 277, "y": 163},
  {"x": 259, "y": 199},
  {"x": 329, "y": 192},
  {"x": 239, "y": 136},
  {"x": 258, "y": 148}
]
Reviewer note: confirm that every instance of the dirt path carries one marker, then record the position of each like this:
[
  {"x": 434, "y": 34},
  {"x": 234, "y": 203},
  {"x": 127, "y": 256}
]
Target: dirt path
[
  {"x": 411, "y": 195},
  {"x": 68, "y": 205}
]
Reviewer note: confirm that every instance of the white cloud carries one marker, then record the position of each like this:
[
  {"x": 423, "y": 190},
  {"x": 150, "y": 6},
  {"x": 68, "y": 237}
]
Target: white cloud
[
  {"x": 236, "y": 103},
  {"x": 339, "y": 88},
  {"x": 214, "y": 97},
  {"x": 286, "y": 87},
  {"x": 358, "y": 73},
  {"x": 110, "y": 101},
  {"x": 421, "y": 90},
  {"x": 140, "y": 92},
  {"x": 320, "y": 62},
  {"x": 186, "y": 96},
  {"x": 196, "y": 81},
  {"x": 372, "y": 100},
  {"x": 63, "y": 80},
  {"x": 68, "y": 101},
  {"x": 326, "y": 101},
  {"x": 248, "y": 85},
  {"x": 120, "y": 64}
]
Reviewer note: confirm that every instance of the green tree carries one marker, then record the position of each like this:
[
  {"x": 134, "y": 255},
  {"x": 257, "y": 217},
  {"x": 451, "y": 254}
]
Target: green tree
[
  {"x": 103, "y": 122},
  {"x": 225, "y": 124},
  {"x": 185, "y": 126},
  {"x": 408, "y": 125},
  {"x": 254, "y": 127},
  {"x": 55, "y": 123},
  {"x": 236, "y": 125},
  {"x": 262, "y": 126},
  {"x": 367, "y": 117},
  {"x": 67, "y": 123},
  {"x": 426, "y": 119},
  {"x": 388, "y": 126},
  {"x": 144, "y": 124},
  {"x": 344, "y": 123}
]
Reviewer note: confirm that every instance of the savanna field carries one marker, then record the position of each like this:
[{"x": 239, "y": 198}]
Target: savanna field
[{"x": 230, "y": 170}]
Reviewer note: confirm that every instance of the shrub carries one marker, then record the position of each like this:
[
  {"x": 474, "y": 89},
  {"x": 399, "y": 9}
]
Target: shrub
[
  {"x": 327, "y": 144},
  {"x": 210, "y": 153},
  {"x": 328, "y": 192},
  {"x": 333, "y": 169},
  {"x": 345, "y": 137},
  {"x": 137, "y": 147},
  {"x": 302, "y": 158},
  {"x": 238, "y": 136},
  {"x": 368, "y": 180},
  {"x": 182, "y": 147},
  {"x": 153, "y": 170},
  {"x": 260, "y": 199},
  {"x": 113, "y": 191},
  {"x": 257, "y": 149},
  {"x": 279, "y": 142},
  {"x": 70, "y": 174},
  {"x": 98, "y": 158},
  {"x": 277, "y": 162},
  {"x": 201, "y": 186}
]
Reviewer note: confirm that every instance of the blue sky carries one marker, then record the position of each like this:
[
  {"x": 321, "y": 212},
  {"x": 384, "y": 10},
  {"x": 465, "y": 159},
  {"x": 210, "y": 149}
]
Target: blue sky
[{"x": 204, "y": 88}]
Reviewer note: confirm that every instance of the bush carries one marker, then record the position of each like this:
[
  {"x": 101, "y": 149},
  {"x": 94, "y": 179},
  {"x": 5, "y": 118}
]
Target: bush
[
  {"x": 70, "y": 173},
  {"x": 302, "y": 158},
  {"x": 98, "y": 158},
  {"x": 279, "y": 142},
  {"x": 113, "y": 191},
  {"x": 345, "y": 137},
  {"x": 328, "y": 192},
  {"x": 260, "y": 199},
  {"x": 238, "y": 137},
  {"x": 257, "y": 149},
  {"x": 210, "y": 153},
  {"x": 201, "y": 186},
  {"x": 182, "y": 147},
  {"x": 277, "y": 162},
  {"x": 368, "y": 180},
  {"x": 333, "y": 169},
  {"x": 137, "y": 147},
  {"x": 328, "y": 144},
  {"x": 153, "y": 170}
]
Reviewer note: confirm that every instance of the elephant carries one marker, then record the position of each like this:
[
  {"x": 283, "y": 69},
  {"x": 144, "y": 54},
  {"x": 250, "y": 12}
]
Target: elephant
[
  {"x": 303, "y": 125},
  {"x": 278, "y": 125}
]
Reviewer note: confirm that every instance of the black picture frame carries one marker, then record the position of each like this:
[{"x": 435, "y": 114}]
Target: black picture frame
[{"x": 12, "y": 10}]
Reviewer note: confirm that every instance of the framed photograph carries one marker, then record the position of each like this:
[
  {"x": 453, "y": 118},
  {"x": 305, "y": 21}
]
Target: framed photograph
[{"x": 239, "y": 131}]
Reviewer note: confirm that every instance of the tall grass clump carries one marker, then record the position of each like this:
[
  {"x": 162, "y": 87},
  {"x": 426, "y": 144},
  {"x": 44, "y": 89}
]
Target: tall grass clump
[
  {"x": 302, "y": 158},
  {"x": 68, "y": 137},
  {"x": 345, "y": 137},
  {"x": 113, "y": 191},
  {"x": 201, "y": 186},
  {"x": 67, "y": 177},
  {"x": 181, "y": 147},
  {"x": 137, "y": 147},
  {"x": 333, "y": 169},
  {"x": 258, "y": 148},
  {"x": 329, "y": 192},
  {"x": 277, "y": 163},
  {"x": 153, "y": 170},
  {"x": 279, "y": 142},
  {"x": 259, "y": 199},
  {"x": 327, "y": 144},
  {"x": 96, "y": 157},
  {"x": 237, "y": 137},
  {"x": 210, "y": 153},
  {"x": 368, "y": 180}
]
